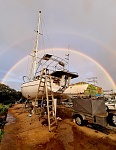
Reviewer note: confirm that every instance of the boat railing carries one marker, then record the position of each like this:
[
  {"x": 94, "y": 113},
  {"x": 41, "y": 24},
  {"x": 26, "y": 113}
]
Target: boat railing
[{"x": 51, "y": 61}]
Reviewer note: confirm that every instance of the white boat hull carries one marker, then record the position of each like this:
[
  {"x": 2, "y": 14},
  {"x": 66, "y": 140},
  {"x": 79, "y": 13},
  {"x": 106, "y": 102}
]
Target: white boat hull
[{"x": 29, "y": 89}]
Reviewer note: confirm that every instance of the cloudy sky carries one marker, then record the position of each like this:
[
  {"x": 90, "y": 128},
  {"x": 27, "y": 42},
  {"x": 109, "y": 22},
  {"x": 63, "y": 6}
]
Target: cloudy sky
[{"x": 84, "y": 28}]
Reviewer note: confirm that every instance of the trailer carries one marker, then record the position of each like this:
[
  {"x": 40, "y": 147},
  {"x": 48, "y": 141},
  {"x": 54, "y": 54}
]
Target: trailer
[{"x": 92, "y": 110}]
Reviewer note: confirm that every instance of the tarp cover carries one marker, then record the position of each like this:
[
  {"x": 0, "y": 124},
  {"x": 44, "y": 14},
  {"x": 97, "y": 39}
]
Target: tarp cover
[{"x": 93, "y": 107}]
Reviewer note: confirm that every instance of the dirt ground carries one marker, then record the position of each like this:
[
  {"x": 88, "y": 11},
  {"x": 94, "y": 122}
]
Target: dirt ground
[{"x": 28, "y": 133}]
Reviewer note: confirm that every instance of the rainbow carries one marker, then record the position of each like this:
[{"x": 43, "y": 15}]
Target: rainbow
[
  {"x": 97, "y": 42},
  {"x": 71, "y": 33},
  {"x": 71, "y": 50}
]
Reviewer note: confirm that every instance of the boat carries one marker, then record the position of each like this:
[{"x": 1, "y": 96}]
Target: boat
[{"x": 48, "y": 63}]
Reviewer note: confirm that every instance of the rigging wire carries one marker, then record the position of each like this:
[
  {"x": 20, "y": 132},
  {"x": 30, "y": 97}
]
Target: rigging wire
[
  {"x": 42, "y": 34},
  {"x": 47, "y": 36},
  {"x": 29, "y": 53}
]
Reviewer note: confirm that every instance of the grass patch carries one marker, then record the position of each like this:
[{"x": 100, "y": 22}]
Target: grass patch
[{"x": 1, "y": 134}]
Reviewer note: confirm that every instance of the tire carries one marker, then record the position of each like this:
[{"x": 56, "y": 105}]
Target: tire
[
  {"x": 112, "y": 119},
  {"x": 107, "y": 109},
  {"x": 79, "y": 120}
]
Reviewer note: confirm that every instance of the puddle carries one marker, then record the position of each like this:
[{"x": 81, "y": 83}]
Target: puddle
[{"x": 10, "y": 119}]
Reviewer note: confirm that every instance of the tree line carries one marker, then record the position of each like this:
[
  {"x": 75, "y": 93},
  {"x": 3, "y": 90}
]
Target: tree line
[{"x": 9, "y": 95}]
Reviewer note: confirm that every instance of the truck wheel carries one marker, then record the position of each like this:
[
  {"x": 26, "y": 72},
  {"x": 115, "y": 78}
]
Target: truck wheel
[
  {"x": 79, "y": 120},
  {"x": 112, "y": 119},
  {"x": 107, "y": 109}
]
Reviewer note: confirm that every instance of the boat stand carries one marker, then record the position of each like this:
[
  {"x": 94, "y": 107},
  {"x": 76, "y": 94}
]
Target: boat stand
[{"x": 45, "y": 90}]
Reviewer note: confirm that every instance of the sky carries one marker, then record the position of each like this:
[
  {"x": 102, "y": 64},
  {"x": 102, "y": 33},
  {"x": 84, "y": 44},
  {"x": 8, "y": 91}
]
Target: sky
[{"x": 86, "y": 29}]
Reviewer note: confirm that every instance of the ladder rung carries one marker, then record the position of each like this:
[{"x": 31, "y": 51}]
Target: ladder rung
[
  {"x": 42, "y": 86},
  {"x": 40, "y": 90},
  {"x": 48, "y": 77},
  {"x": 50, "y": 100},
  {"x": 43, "y": 82},
  {"x": 49, "y": 82},
  {"x": 48, "y": 86},
  {"x": 42, "y": 77},
  {"x": 53, "y": 123},
  {"x": 50, "y": 95},
  {"x": 42, "y": 95},
  {"x": 52, "y": 117},
  {"x": 50, "y": 92},
  {"x": 52, "y": 111},
  {"x": 50, "y": 105}
]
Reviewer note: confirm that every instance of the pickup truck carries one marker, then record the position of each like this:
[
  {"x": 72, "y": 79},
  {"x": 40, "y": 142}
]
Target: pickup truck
[{"x": 110, "y": 104}]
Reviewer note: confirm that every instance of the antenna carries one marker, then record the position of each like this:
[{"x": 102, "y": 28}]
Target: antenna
[
  {"x": 92, "y": 79},
  {"x": 67, "y": 55}
]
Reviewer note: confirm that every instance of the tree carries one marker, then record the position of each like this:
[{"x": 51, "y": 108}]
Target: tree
[{"x": 8, "y": 95}]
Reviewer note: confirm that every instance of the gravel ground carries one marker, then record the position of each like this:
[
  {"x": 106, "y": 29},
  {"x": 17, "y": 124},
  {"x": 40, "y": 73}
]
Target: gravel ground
[{"x": 28, "y": 133}]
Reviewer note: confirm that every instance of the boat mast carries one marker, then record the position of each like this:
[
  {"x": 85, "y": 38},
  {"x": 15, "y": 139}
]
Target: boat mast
[
  {"x": 36, "y": 47},
  {"x": 32, "y": 72}
]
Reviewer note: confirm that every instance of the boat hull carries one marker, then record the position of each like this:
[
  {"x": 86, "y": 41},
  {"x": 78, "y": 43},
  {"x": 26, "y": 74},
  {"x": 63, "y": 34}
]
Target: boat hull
[{"x": 29, "y": 89}]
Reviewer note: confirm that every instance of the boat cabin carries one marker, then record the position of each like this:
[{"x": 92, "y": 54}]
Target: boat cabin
[{"x": 64, "y": 76}]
